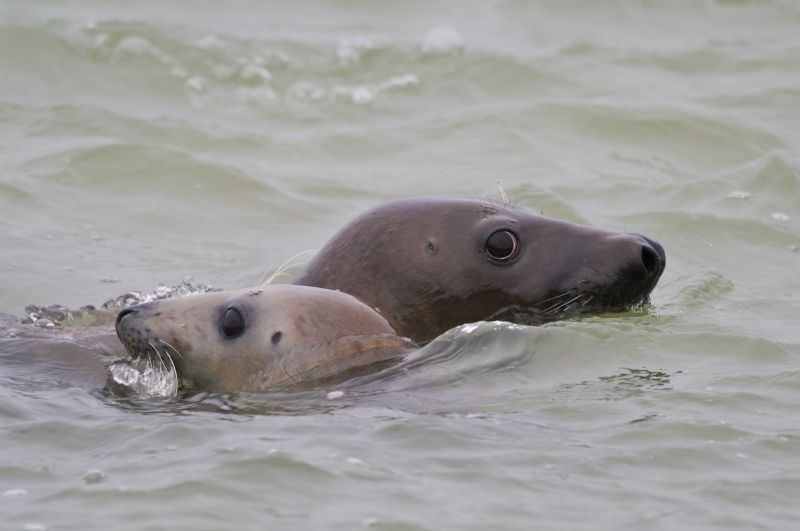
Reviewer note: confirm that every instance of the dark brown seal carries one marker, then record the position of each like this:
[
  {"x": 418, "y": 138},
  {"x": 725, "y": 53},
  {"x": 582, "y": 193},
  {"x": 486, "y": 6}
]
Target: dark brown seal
[{"x": 428, "y": 265}]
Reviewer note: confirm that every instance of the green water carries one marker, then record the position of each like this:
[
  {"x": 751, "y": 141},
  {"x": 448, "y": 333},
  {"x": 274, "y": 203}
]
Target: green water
[{"x": 144, "y": 142}]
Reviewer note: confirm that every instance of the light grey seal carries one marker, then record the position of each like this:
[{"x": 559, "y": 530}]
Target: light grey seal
[{"x": 257, "y": 339}]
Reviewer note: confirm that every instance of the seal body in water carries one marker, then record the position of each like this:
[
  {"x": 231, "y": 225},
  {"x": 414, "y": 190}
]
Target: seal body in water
[
  {"x": 257, "y": 339},
  {"x": 428, "y": 265},
  {"x": 72, "y": 355}
]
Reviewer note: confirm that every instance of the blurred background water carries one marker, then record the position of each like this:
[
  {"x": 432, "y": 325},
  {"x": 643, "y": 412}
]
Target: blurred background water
[{"x": 144, "y": 142}]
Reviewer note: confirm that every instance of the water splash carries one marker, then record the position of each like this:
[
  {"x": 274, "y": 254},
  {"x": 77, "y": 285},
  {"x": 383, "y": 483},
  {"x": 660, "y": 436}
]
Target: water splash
[
  {"x": 144, "y": 378},
  {"x": 187, "y": 287}
]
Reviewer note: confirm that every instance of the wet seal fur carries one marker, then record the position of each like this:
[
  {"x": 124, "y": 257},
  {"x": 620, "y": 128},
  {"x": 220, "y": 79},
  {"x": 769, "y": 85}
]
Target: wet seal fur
[
  {"x": 269, "y": 337},
  {"x": 428, "y": 265}
]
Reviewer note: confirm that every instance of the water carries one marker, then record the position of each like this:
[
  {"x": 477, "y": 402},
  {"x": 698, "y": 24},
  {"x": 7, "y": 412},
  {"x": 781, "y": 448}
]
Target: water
[{"x": 142, "y": 143}]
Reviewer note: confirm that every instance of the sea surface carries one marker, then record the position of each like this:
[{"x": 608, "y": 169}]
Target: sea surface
[{"x": 145, "y": 142}]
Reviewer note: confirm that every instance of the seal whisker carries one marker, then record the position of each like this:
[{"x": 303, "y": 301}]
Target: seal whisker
[
  {"x": 149, "y": 364},
  {"x": 291, "y": 378},
  {"x": 563, "y": 305},
  {"x": 286, "y": 265},
  {"x": 556, "y": 297},
  {"x": 172, "y": 369},
  {"x": 169, "y": 358},
  {"x": 570, "y": 302},
  {"x": 173, "y": 349},
  {"x": 459, "y": 184},
  {"x": 559, "y": 302},
  {"x": 159, "y": 376},
  {"x": 578, "y": 301},
  {"x": 158, "y": 358},
  {"x": 503, "y": 194},
  {"x": 548, "y": 309},
  {"x": 281, "y": 272}
]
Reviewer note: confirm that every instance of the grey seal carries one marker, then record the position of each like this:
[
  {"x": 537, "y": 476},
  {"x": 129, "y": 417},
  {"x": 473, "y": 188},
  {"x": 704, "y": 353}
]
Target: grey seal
[
  {"x": 257, "y": 339},
  {"x": 428, "y": 265}
]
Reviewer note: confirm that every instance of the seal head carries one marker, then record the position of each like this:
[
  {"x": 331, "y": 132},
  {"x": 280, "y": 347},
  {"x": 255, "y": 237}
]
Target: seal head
[
  {"x": 428, "y": 265},
  {"x": 257, "y": 339}
]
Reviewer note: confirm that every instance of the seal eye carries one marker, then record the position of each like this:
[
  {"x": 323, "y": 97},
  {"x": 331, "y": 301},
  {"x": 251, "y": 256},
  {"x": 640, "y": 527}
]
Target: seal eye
[
  {"x": 232, "y": 323},
  {"x": 502, "y": 245}
]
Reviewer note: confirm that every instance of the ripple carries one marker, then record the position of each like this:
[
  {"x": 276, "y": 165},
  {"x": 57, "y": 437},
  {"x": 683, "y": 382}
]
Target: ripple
[
  {"x": 465, "y": 353},
  {"x": 148, "y": 142},
  {"x": 146, "y": 170},
  {"x": 701, "y": 287}
]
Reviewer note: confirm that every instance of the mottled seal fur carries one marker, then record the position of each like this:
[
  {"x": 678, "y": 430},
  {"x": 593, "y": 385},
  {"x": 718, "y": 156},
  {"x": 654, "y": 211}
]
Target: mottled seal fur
[{"x": 428, "y": 265}]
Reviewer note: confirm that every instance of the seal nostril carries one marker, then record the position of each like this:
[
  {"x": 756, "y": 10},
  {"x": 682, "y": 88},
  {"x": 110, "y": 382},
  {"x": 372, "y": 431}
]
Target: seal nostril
[{"x": 650, "y": 259}]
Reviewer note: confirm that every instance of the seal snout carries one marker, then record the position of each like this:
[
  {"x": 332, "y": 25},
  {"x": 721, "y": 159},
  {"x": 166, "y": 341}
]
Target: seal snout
[
  {"x": 626, "y": 269},
  {"x": 134, "y": 328},
  {"x": 124, "y": 329},
  {"x": 129, "y": 330},
  {"x": 123, "y": 313}
]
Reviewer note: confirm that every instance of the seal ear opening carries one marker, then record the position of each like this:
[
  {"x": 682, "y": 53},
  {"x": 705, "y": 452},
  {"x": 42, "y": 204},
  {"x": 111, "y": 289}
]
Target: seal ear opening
[
  {"x": 502, "y": 246},
  {"x": 233, "y": 324}
]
